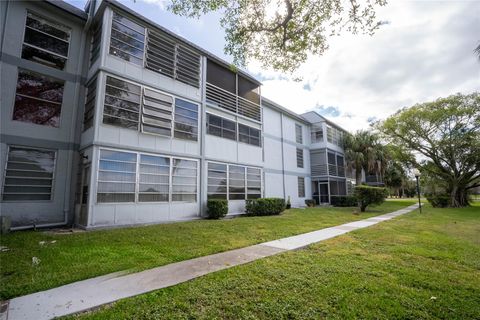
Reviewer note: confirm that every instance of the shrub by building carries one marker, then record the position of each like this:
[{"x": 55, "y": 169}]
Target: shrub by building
[
  {"x": 217, "y": 208},
  {"x": 265, "y": 206},
  {"x": 367, "y": 195}
]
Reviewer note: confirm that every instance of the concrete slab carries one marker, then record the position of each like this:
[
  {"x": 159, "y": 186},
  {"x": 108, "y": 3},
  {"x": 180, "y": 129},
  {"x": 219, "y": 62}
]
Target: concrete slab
[{"x": 91, "y": 293}]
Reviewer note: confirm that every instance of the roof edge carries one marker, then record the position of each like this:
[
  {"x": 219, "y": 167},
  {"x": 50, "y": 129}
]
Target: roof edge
[
  {"x": 68, "y": 8},
  {"x": 284, "y": 110}
]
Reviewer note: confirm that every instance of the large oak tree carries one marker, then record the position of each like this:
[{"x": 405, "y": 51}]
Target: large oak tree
[
  {"x": 445, "y": 135},
  {"x": 282, "y": 33}
]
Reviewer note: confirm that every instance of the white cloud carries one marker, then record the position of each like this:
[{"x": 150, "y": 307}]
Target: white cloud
[
  {"x": 425, "y": 52},
  {"x": 162, "y": 4}
]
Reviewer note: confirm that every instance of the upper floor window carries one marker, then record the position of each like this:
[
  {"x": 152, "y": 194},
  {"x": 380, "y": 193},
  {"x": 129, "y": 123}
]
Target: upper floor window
[
  {"x": 157, "y": 112},
  {"x": 45, "y": 42},
  {"x": 127, "y": 39},
  {"x": 298, "y": 133},
  {"x": 38, "y": 99},
  {"x": 334, "y": 135},
  {"x": 186, "y": 120},
  {"x": 248, "y": 135},
  {"x": 29, "y": 174},
  {"x": 122, "y": 103},
  {"x": 317, "y": 133},
  {"x": 95, "y": 44},
  {"x": 299, "y": 158},
  {"x": 221, "y": 127}
]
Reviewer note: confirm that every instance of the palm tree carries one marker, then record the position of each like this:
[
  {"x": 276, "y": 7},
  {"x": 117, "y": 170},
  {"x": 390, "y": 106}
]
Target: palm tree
[{"x": 364, "y": 151}]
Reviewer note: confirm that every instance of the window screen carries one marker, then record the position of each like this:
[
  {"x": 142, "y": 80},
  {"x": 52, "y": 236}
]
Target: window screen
[
  {"x": 299, "y": 158},
  {"x": 116, "y": 176},
  {"x": 154, "y": 173},
  {"x": 127, "y": 39},
  {"x": 29, "y": 174},
  {"x": 45, "y": 42},
  {"x": 38, "y": 99},
  {"x": 186, "y": 120},
  {"x": 248, "y": 135},
  {"x": 221, "y": 127},
  {"x": 184, "y": 180},
  {"x": 157, "y": 112},
  {"x": 122, "y": 103}
]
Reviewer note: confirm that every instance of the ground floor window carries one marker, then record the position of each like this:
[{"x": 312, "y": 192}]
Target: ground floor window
[
  {"x": 132, "y": 177},
  {"x": 301, "y": 187},
  {"x": 233, "y": 182},
  {"x": 29, "y": 174}
]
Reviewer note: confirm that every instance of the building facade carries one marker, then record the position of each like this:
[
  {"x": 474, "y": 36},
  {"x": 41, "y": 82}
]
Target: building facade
[{"x": 109, "y": 119}]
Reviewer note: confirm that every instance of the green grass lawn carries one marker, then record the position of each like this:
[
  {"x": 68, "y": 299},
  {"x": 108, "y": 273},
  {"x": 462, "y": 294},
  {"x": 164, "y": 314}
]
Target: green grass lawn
[
  {"x": 84, "y": 255},
  {"x": 417, "y": 266}
]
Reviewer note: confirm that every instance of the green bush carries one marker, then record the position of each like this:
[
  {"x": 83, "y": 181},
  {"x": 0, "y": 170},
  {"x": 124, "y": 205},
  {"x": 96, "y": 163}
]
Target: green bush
[
  {"x": 367, "y": 195},
  {"x": 343, "y": 201},
  {"x": 439, "y": 200},
  {"x": 217, "y": 208},
  {"x": 310, "y": 203},
  {"x": 265, "y": 206}
]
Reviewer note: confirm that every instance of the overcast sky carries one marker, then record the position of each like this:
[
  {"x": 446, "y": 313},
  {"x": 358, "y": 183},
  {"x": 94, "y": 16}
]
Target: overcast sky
[{"x": 424, "y": 52}]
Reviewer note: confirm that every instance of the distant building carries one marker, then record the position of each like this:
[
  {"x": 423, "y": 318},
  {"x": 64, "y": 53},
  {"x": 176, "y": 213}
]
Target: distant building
[{"x": 109, "y": 119}]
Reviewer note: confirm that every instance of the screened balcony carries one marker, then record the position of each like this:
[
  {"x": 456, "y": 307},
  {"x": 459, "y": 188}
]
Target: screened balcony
[{"x": 233, "y": 92}]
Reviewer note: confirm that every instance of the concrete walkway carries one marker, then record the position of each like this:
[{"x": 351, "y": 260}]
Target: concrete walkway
[{"x": 91, "y": 293}]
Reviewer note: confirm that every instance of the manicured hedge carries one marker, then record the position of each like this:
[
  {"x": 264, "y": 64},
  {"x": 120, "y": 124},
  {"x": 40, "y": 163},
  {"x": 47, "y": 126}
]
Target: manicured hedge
[
  {"x": 439, "y": 200},
  {"x": 217, "y": 208},
  {"x": 343, "y": 201},
  {"x": 367, "y": 195},
  {"x": 265, "y": 206}
]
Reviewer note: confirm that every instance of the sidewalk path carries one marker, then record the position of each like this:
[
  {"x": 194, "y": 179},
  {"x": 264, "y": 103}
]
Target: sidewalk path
[{"x": 91, "y": 293}]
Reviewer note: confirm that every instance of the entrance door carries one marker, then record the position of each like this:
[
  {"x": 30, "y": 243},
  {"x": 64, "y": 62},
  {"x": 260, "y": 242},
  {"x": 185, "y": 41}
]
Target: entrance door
[
  {"x": 323, "y": 186},
  {"x": 83, "y": 217}
]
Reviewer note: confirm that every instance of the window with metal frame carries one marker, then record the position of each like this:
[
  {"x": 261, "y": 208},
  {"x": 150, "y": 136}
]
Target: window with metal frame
[
  {"x": 89, "y": 111},
  {"x": 184, "y": 180},
  {"x": 116, "y": 176},
  {"x": 186, "y": 120},
  {"x": 157, "y": 112},
  {"x": 249, "y": 135},
  {"x": 236, "y": 182},
  {"x": 317, "y": 133},
  {"x": 221, "y": 127},
  {"x": 122, "y": 103},
  {"x": 168, "y": 57},
  {"x": 38, "y": 99},
  {"x": 301, "y": 187},
  {"x": 299, "y": 158},
  {"x": 298, "y": 133},
  {"x": 127, "y": 39},
  {"x": 95, "y": 44},
  {"x": 254, "y": 183},
  {"x": 153, "y": 180},
  {"x": 46, "y": 42},
  {"x": 217, "y": 181},
  {"x": 29, "y": 174}
]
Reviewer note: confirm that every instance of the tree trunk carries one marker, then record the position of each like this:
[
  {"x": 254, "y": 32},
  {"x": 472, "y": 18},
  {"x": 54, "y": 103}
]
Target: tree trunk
[
  {"x": 458, "y": 195},
  {"x": 358, "y": 177}
]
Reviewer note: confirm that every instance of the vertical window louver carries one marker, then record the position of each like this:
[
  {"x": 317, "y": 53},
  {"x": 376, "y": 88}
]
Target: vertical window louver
[
  {"x": 96, "y": 42},
  {"x": 165, "y": 56},
  {"x": 89, "y": 111},
  {"x": 157, "y": 112}
]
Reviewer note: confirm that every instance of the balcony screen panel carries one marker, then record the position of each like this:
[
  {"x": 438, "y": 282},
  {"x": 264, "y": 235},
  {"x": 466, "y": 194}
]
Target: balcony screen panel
[
  {"x": 301, "y": 187},
  {"x": 38, "y": 99},
  {"x": 127, "y": 39},
  {"x": 248, "y": 90},
  {"x": 45, "y": 42},
  {"x": 318, "y": 159},
  {"x": 186, "y": 120},
  {"x": 221, "y": 77},
  {"x": 317, "y": 133},
  {"x": 154, "y": 173},
  {"x": 236, "y": 189},
  {"x": 122, "y": 103},
  {"x": 157, "y": 112},
  {"x": 116, "y": 180},
  {"x": 29, "y": 174},
  {"x": 89, "y": 111},
  {"x": 184, "y": 180}
]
